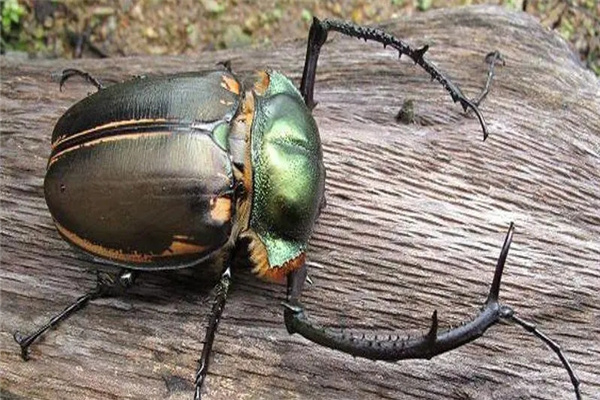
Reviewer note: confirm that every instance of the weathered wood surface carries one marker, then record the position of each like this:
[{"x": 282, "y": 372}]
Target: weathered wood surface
[{"x": 415, "y": 219}]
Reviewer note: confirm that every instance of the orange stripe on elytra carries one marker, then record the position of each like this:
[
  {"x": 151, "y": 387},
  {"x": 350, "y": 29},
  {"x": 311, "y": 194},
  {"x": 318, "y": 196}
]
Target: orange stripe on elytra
[
  {"x": 128, "y": 136},
  {"x": 176, "y": 248},
  {"x": 220, "y": 209},
  {"x": 179, "y": 248},
  {"x": 109, "y": 125},
  {"x": 230, "y": 84},
  {"x": 102, "y": 251}
]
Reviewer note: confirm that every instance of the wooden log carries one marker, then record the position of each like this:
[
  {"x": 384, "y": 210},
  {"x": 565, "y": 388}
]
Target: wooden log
[{"x": 415, "y": 219}]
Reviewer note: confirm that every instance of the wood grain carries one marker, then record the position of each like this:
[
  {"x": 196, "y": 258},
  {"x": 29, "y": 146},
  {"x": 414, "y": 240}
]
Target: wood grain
[{"x": 415, "y": 219}]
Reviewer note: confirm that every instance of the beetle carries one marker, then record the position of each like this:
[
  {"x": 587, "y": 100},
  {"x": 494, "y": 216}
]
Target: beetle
[{"x": 180, "y": 171}]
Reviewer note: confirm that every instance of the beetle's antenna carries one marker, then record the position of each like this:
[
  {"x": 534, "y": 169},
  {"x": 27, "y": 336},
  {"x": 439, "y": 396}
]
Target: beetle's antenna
[
  {"x": 318, "y": 35},
  {"x": 396, "y": 347},
  {"x": 105, "y": 283},
  {"x": 70, "y": 72}
]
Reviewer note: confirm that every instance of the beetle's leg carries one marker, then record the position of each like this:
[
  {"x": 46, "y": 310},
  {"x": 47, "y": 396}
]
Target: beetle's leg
[
  {"x": 69, "y": 72},
  {"x": 529, "y": 327},
  {"x": 491, "y": 58},
  {"x": 318, "y": 35},
  {"x": 105, "y": 284},
  {"x": 215, "y": 316},
  {"x": 395, "y": 347},
  {"x": 295, "y": 284}
]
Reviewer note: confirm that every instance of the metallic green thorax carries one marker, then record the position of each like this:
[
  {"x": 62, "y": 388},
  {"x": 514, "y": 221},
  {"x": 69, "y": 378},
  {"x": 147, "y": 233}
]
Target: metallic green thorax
[{"x": 288, "y": 171}]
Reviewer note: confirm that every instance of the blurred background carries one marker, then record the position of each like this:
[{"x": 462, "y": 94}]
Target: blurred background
[{"x": 117, "y": 28}]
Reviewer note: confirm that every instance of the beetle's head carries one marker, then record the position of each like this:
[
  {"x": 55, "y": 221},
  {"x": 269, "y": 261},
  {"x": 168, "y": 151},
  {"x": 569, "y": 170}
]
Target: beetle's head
[{"x": 285, "y": 177}]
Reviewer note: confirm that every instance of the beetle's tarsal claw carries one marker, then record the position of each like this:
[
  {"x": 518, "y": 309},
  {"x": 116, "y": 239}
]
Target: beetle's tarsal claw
[
  {"x": 25, "y": 349},
  {"x": 63, "y": 79},
  {"x": 494, "y": 56},
  {"x": 23, "y": 343},
  {"x": 18, "y": 337},
  {"x": 467, "y": 104}
]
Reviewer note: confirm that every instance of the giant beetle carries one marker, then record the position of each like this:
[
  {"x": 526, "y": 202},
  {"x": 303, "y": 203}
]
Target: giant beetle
[{"x": 178, "y": 171}]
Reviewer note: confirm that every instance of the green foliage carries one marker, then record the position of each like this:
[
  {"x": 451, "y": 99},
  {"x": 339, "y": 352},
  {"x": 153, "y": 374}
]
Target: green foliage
[
  {"x": 423, "y": 5},
  {"x": 214, "y": 8},
  {"x": 512, "y": 4},
  {"x": 11, "y": 31},
  {"x": 306, "y": 15},
  {"x": 12, "y": 12}
]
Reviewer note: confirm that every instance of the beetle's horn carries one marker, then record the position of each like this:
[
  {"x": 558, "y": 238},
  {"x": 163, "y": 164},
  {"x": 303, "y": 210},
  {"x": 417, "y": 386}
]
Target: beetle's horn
[{"x": 396, "y": 346}]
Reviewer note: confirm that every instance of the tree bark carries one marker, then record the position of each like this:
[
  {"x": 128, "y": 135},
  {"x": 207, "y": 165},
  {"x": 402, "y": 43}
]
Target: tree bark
[{"x": 415, "y": 219}]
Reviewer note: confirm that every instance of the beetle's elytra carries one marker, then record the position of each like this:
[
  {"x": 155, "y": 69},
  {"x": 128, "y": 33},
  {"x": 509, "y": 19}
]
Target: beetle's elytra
[
  {"x": 180, "y": 170},
  {"x": 150, "y": 174}
]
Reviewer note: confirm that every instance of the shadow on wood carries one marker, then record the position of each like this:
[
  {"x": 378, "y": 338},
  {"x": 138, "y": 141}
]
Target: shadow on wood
[{"x": 415, "y": 220}]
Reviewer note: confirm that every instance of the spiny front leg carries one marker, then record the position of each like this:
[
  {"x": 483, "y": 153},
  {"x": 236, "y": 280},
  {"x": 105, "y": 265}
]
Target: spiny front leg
[
  {"x": 396, "y": 346},
  {"x": 215, "y": 316},
  {"x": 318, "y": 35}
]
